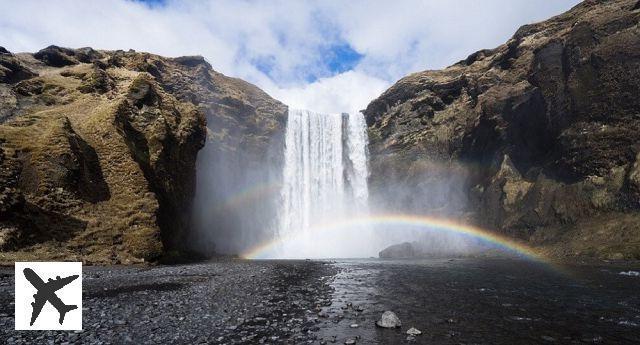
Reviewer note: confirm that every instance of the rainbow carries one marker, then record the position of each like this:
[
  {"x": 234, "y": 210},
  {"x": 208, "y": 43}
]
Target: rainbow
[{"x": 428, "y": 223}]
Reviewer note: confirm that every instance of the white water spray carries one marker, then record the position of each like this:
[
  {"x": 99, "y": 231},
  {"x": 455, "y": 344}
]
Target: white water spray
[
  {"x": 324, "y": 181},
  {"x": 358, "y": 172}
]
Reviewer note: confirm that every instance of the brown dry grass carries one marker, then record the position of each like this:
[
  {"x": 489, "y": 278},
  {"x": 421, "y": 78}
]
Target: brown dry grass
[{"x": 123, "y": 227}]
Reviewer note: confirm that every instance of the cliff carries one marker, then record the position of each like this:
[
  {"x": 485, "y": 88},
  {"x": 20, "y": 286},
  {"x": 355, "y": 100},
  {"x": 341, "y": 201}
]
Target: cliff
[
  {"x": 538, "y": 138},
  {"x": 98, "y": 149}
]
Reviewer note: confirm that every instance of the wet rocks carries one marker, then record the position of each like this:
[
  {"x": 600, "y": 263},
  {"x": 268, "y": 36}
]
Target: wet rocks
[
  {"x": 630, "y": 273},
  {"x": 213, "y": 303},
  {"x": 413, "y": 331},
  {"x": 389, "y": 320}
]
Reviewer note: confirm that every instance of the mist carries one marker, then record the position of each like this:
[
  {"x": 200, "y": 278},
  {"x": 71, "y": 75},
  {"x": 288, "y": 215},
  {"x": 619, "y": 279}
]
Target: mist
[
  {"x": 429, "y": 189},
  {"x": 309, "y": 194},
  {"x": 238, "y": 190}
]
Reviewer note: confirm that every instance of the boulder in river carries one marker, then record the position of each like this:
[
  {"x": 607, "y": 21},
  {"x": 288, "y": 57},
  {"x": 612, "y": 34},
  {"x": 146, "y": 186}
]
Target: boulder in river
[
  {"x": 398, "y": 251},
  {"x": 389, "y": 320},
  {"x": 434, "y": 246}
]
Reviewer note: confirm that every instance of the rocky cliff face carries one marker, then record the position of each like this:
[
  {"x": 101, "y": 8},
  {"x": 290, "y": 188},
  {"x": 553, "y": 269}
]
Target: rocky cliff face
[
  {"x": 98, "y": 149},
  {"x": 538, "y": 138},
  {"x": 239, "y": 169}
]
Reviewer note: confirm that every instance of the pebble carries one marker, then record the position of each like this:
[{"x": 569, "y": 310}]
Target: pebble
[
  {"x": 413, "y": 331},
  {"x": 157, "y": 304},
  {"x": 630, "y": 273}
]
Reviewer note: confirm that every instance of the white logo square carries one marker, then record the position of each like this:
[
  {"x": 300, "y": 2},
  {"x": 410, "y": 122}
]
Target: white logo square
[{"x": 48, "y": 295}]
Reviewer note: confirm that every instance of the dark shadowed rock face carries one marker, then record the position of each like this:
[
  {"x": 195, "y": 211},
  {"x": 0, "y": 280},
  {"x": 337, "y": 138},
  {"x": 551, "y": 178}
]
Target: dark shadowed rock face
[
  {"x": 538, "y": 138},
  {"x": 98, "y": 150},
  {"x": 11, "y": 69}
]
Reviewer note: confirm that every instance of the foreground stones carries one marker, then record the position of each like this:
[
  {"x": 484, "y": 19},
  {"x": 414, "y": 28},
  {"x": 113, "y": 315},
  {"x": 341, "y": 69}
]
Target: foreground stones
[
  {"x": 436, "y": 297},
  {"x": 227, "y": 302},
  {"x": 261, "y": 302},
  {"x": 413, "y": 331}
]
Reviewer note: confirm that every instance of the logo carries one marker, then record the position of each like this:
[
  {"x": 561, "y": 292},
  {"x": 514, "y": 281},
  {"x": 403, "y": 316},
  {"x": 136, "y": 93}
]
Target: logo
[{"x": 48, "y": 295}]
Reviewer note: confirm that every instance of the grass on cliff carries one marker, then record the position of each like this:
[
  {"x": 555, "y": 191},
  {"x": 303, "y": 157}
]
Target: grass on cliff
[{"x": 120, "y": 229}]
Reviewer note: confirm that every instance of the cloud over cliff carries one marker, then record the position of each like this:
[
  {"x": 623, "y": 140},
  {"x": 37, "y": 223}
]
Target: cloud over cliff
[{"x": 330, "y": 55}]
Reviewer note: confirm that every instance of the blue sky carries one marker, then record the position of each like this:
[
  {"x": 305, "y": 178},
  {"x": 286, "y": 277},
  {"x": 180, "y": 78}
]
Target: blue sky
[{"x": 329, "y": 55}]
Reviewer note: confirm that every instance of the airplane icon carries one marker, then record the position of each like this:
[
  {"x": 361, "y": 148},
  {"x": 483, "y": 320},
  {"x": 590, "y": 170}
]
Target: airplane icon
[{"x": 47, "y": 293}]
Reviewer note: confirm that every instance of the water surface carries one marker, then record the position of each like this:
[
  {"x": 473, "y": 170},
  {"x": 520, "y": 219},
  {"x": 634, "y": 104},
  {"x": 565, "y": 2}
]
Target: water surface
[{"x": 484, "y": 301}]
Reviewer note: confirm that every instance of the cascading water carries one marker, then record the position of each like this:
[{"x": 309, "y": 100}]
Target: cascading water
[
  {"x": 324, "y": 182},
  {"x": 357, "y": 143}
]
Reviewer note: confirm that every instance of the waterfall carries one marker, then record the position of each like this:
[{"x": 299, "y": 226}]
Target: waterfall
[
  {"x": 324, "y": 180},
  {"x": 313, "y": 169},
  {"x": 357, "y": 143}
]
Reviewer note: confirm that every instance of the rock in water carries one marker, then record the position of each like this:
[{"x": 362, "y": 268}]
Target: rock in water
[
  {"x": 398, "y": 251},
  {"x": 389, "y": 320},
  {"x": 413, "y": 331}
]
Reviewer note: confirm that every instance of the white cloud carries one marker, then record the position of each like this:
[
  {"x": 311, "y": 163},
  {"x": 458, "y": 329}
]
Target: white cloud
[
  {"x": 346, "y": 92},
  {"x": 278, "y": 44}
]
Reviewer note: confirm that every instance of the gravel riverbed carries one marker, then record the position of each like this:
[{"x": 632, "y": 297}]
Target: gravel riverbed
[
  {"x": 222, "y": 302},
  {"x": 450, "y": 301}
]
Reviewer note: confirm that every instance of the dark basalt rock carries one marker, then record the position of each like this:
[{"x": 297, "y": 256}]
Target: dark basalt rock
[
  {"x": 11, "y": 69},
  {"x": 59, "y": 57},
  {"x": 403, "y": 250},
  {"x": 192, "y": 61},
  {"x": 56, "y": 56},
  {"x": 87, "y": 55},
  {"x": 541, "y": 133},
  {"x": 98, "y": 81}
]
